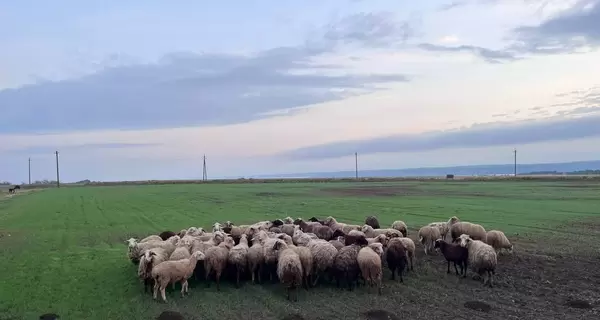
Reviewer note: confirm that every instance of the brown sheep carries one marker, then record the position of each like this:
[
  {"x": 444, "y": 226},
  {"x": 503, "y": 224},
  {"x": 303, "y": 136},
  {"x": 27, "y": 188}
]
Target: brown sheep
[
  {"x": 396, "y": 258},
  {"x": 498, "y": 240},
  {"x": 216, "y": 260},
  {"x": 427, "y": 237},
  {"x": 475, "y": 231}
]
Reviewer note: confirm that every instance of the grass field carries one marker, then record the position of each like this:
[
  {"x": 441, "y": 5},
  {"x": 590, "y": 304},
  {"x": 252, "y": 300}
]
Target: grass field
[{"x": 63, "y": 250}]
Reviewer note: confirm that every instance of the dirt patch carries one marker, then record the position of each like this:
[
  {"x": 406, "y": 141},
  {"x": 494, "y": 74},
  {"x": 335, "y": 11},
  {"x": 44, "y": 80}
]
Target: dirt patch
[
  {"x": 579, "y": 304},
  {"x": 478, "y": 306},
  {"x": 381, "y": 191},
  {"x": 170, "y": 315},
  {"x": 293, "y": 317},
  {"x": 380, "y": 315}
]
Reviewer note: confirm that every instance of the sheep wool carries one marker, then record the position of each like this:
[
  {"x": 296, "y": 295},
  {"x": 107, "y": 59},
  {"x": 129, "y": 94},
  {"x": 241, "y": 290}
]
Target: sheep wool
[
  {"x": 346, "y": 266},
  {"x": 482, "y": 257},
  {"x": 372, "y": 221},
  {"x": 475, "y": 231},
  {"x": 427, "y": 236},
  {"x": 306, "y": 258},
  {"x": 498, "y": 240},
  {"x": 238, "y": 257},
  {"x": 256, "y": 258},
  {"x": 323, "y": 254},
  {"x": 369, "y": 263},
  {"x": 410, "y": 248},
  {"x": 289, "y": 268},
  {"x": 396, "y": 258},
  {"x": 151, "y": 238},
  {"x": 372, "y": 233},
  {"x": 216, "y": 260},
  {"x": 173, "y": 271},
  {"x": 400, "y": 226},
  {"x": 180, "y": 253}
]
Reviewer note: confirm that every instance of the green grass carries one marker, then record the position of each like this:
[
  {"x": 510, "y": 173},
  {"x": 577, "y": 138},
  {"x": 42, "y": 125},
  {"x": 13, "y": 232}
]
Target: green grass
[{"x": 63, "y": 250}]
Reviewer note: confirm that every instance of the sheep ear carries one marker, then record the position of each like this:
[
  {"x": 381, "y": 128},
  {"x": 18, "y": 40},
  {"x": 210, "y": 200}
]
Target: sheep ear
[{"x": 152, "y": 253}]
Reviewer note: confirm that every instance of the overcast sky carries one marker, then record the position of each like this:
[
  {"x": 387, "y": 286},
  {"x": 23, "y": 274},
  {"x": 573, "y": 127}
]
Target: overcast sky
[{"x": 129, "y": 90}]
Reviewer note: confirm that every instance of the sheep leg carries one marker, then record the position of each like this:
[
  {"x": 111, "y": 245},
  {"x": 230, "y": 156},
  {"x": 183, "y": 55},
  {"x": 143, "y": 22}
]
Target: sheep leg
[
  {"x": 449, "y": 266},
  {"x": 259, "y": 271},
  {"x": 183, "y": 289},
  {"x": 393, "y": 273},
  {"x": 400, "y": 271},
  {"x": 162, "y": 293},
  {"x": 207, "y": 276},
  {"x": 317, "y": 279},
  {"x": 155, "y": 293},
  {"x": 455, "y": 268},
  {"x": 412, "y": 256},
  {"x": 218, "y": 276}
]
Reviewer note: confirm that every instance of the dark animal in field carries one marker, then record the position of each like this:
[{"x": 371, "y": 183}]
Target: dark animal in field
[
  {"x": 373, "y": 222},
  {"x": 166, "y": 234},
  {"x": 49, "y": 316},
  {"x": 454, "y": 253},
  {"x": 17, "y": 187},
  {"x": 396, "y": 258},
  {"x": 277, "y": 222},
  {"x": 314, "y": 219},
  {"x": 11, "y": 190}
]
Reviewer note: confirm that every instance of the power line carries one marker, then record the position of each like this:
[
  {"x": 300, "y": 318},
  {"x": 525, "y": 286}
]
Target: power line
[
  {"x": 57, "y": 172},
  {"x": 29, "y": 170}
]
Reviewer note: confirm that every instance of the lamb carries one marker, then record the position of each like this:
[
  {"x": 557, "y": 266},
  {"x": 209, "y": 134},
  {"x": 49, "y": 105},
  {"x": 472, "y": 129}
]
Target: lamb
[
  {"x": 372, "y": 221},
  {"x": 238, "y": 257},
  {"x": 396, "y": 257},
  {"x": 372, "y": 233},
  {"x": 148, "y": 260},
  {"x": 454, "y": 253},
  {"x": 256, "y": 258},
  {"x": 369, "y": 263},
  {"x": 166, "y": 235},
  {"x": 400, "y": 226},
  {"x": 482, "y": 257},
  {"x": 289, "y": 268},
  {"x": 216, "y": 260},
  {"x": 409, "y": 247},
  {"x": 498, "y": 240},
  {"x": 475, "y": 231},
  {"x": 427, "y": 236},
  {"x": 444, "y": 227},
  {"x": 173, "y": 271}
]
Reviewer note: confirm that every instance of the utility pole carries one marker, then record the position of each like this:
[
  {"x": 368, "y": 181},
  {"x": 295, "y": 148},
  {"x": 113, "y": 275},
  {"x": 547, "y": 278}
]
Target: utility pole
[
  {"x": 204, "y": 175},
  {"x": 57, "y": 173},
  {"x": 29, "y": 170},
  {"x": 515, "y": 151},
  {"x": 356, "y": 164}
]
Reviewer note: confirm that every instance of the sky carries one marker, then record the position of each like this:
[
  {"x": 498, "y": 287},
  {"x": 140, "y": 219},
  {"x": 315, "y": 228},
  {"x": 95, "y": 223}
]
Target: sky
[{"x": 137, "y": 90}]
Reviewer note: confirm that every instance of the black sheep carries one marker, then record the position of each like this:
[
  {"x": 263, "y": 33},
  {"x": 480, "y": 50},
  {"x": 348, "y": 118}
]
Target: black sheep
[
  {"x": 454, "y": 253},
  {"x": 373, "y": 222},
  {"x": 396, "y": 258}
]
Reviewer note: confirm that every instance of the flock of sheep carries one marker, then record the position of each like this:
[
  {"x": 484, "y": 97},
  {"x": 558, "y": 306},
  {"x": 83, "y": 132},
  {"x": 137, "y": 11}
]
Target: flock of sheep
[{"x": 299, "y": 252}]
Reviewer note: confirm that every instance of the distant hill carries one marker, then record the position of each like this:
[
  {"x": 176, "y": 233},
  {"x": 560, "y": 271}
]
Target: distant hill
[{"x": 578, "y": 167}]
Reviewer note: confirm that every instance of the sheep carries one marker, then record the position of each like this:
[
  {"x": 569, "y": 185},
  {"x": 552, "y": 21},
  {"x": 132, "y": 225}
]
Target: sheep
[
  {"x": 289, "y": 268},
  {"x": 166, "y": 235},
  {"x": 454, "y": 253},
  {"x": 271, "y": 256},
  {"x": 193, "y": 231},
  {"x": 498, "y": 240},
  {"x": 372, "y": 221},
  {"x": 313, "y": 219},
  {"x": 173, "y": 271},
  {"x": 151, "y": 238},
  {"x": 409, "y": 247},
  {"x": 288, "y": 229},
  {"x": 323, "y": 254},
  {"x": 301, "y": 238},
  {"x": 238, "y": 257},
  {"x": 333, "y": 224},
  {"x": 306, "y": 226},
  {"x": 135, "y": 250},
  {"x": 216, "y": 260},
  {"x": 350, "y": 227},
  {"x": 180, "y": 253},
  {"x": 307, "y": 260},
  {"x": 345, "y": 264},
  {"x": 369, "y": 263},
  {"x": 396, "y": 257},
  {"x": 475, "y": 231},
  {"x": 400, "y": 226},
  {"x": 217, "y": 227},
  {"x": 349, "y": 238},
  {"x": 427, "y": 236},
  {"x": 148, "y": 260},
  {"x": 275, "y": 230},
  {"x": 482, "y": 257},
  {"x": 337, "y": 244},
  {"x": 323, "y": 232},
  {"x": 380, "y": 239},
  {"x": 277, "y": 223},
  {"x": 372, "y": 233},
  {"x": 288, "y": 220},
  {"x": 444, "y": 227},
  {"x": 255, "y": 258}
]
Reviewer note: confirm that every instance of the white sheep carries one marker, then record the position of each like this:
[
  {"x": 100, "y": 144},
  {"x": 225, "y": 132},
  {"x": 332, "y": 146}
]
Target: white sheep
[
  {"x": 289, "y": 268},
  {"x": 400, "y": 226},
  {"x": 369, "y": 263},
  {"x": 444, "y": 227},
  {"x": 216, "y": 259},
  {"x": 372, "y": 233},
  {"x": 498, "y": 240},
  {"x": 482, "y": 257},
  {"x": 427, "y": 236},
  {"x": 256, "y": 258},
  {"x": 173, "y": 271},
  {"x": 238, "y": 257}
]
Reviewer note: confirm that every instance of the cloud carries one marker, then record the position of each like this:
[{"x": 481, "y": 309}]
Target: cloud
[
  {"x": 189, "y": 89},
  {"x": 488, "y": 55},
  {"x": 569, "y": 31},
  {"x": 484, "y": 135}
]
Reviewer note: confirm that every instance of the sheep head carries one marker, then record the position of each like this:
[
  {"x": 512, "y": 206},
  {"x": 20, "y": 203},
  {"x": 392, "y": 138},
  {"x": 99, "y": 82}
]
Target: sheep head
[
  {"x": 338, "y": 233},
  {"x": 377, "y": 247},
  {"x": 383, "y": 239},
  {"x": 366, "y": 228},
  {"x": 453, "y": 220},
  {"x": 131, "y": 242},
  {"x": 329, "y": 221},
  {"x": 198, "y": 255},
  {"x": 438, "y": 243},
  {"x": 244, "y": 239},
  {"x": 361, "y": 241},
  {"x": 279, "y": 245},
  {"x": 277, "y": 222},
  {"x": 228, "y": 242},
  {"x": 464, "y": 240},
  {"x": 313, "y": 219},
  {"x": 298, "y": 221}
]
